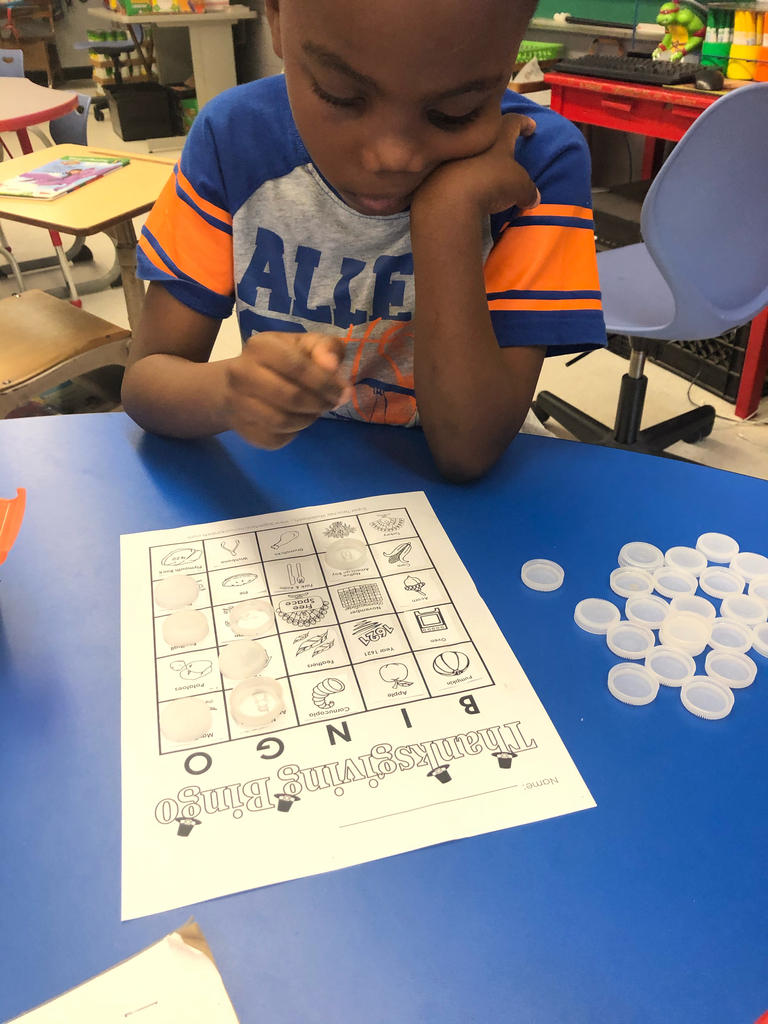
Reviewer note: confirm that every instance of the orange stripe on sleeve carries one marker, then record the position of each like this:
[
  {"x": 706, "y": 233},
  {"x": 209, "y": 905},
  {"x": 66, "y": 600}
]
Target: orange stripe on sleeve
[
  {"x": 204, "y": 205},
  {"x": 557, "y": 210},
  {"x": 545, "y": 304},
  {"x": 199, "y": 250},
  {"x": 543, "y": 257},
  {"x": 153, "y": 258}
]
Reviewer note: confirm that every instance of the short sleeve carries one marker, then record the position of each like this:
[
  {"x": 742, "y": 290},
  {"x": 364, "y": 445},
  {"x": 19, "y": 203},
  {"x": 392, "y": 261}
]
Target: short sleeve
[
  {"x": 541, "y": 274},
  {"x": 186, "y": 242}
]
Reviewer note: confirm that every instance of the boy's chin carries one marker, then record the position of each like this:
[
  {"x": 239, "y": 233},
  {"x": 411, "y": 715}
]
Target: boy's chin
[{"x": 376, "y": 205}]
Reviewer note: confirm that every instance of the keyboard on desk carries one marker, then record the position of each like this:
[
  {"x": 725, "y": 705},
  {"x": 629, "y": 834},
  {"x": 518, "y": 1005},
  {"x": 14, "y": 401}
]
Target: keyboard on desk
[{"x": 642, "y": 70}]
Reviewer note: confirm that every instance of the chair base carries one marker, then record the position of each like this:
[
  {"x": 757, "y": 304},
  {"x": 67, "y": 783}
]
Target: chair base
[
  {"x": 690, "y": 427},
  {"x": 98, "y": 107}
]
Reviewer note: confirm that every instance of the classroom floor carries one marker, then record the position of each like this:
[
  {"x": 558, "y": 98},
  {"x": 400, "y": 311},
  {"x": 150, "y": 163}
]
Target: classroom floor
[{"x": 592, "y": 384}]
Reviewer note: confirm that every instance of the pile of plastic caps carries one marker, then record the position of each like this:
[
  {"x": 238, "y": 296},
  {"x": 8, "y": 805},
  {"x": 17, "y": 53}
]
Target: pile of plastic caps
[{"x": 660, "y": 589}]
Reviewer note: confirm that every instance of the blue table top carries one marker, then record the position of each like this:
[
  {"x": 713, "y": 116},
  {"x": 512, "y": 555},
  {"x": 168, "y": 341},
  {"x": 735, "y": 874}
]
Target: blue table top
[{"x": 649, "y": 909}]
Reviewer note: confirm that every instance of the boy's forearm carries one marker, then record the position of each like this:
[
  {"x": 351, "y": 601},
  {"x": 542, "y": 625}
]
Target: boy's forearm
[
  {"x": 469, "y": 402},
  {"x": 177, "y": 397}
]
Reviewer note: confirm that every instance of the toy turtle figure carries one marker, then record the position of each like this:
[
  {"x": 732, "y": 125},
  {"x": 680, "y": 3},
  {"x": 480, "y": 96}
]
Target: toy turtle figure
[{"x": 685, "y": 24}]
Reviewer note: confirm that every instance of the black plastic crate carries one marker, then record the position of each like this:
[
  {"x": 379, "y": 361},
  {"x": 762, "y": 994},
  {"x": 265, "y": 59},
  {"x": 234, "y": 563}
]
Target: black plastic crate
[
  {"x": 714, "y": 364},
  {"x": 140, "y": 110}
]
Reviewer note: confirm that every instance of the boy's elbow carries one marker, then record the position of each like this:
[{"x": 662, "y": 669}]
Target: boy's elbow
[
  {"x": 470, "y": 459},
  {"x": 460, "y": 468},
  {"x": 133, "y": 399}
]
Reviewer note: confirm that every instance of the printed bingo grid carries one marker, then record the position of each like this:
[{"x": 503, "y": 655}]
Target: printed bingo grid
[{"x": 344, "y": 640}]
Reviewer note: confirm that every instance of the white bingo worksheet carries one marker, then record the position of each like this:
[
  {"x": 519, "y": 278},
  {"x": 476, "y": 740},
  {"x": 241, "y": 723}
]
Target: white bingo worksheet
[{"x": 347, "y": 693}]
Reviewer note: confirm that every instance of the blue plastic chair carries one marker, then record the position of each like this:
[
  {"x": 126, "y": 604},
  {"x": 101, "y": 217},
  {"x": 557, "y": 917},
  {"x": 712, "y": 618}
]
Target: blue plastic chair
[
  {"x": 11, "y": 63},
  {"x": 113, "y": 48},
  {"x": 702, "y": 270},
  {"x": 72, "y": 129}
]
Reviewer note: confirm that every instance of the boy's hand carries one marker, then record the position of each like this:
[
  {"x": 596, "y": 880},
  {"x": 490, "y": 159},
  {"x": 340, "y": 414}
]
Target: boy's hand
[
  {"x": 281, "y": 383},
  {"x": 490, "y": 182}
]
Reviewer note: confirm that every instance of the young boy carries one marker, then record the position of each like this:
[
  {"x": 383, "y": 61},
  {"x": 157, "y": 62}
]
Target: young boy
[{"x": 376, "y": 220}]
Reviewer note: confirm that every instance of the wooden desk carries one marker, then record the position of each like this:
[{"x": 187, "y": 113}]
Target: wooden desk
[
  {"x": 108, "y": 204},
  {"x": 22, "y": 103},
  {"x": 657, "y": 112},
  {"x": 210, "y": 38}
]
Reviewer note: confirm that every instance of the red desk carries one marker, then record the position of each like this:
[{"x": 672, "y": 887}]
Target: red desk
[
  {"x": 22, "y": 103},
  {"x": 658, "y": 113}
]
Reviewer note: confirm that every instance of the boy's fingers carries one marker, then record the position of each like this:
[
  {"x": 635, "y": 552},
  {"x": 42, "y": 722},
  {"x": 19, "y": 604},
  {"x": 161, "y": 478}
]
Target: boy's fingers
[
  {"x": 263, "y": 425},
  {"x": 514, "y": 125},
  {"x": 290, "y": 356},
  {"x": 261, "y": 382},
  {"x": 326, "y": 350}
]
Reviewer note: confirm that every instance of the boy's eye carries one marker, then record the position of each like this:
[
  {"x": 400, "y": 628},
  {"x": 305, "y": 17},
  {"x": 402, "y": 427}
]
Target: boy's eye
[
  {"x": 352, "y": 102},
  {"x": 448, "y": 123}
]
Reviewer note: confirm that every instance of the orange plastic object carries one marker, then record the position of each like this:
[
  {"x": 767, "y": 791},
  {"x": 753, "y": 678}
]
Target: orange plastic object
[{"x": 11, "y": 515}]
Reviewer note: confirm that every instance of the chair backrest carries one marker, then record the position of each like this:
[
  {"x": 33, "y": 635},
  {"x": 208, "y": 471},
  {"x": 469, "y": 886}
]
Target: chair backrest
[
  {"x": 705, "y": 218},
  {"x": 11, "y": 63},
  {"x": 72, "y": 128}
]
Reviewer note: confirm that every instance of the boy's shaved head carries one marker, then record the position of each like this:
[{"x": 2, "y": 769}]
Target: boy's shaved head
[{"x": 383, "y": 91}]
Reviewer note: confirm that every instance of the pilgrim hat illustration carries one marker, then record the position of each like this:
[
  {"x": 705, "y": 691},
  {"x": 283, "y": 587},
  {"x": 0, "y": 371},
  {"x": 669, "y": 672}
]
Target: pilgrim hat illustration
[
  {"x": 186, "y": 825},
  {"x": 285, "y": 801},
  {"x": 504, "y": 758}
]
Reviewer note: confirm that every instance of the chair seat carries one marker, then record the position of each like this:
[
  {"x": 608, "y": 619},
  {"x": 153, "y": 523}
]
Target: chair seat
[
  {"x": 107, "y": 48},
  {"x": 636, "y": 298},
  {"x": 40, "y": 332}
]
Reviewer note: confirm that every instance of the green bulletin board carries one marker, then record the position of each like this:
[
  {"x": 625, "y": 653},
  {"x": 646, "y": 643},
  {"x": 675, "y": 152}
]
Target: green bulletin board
[{"x": 602, "y": 10}]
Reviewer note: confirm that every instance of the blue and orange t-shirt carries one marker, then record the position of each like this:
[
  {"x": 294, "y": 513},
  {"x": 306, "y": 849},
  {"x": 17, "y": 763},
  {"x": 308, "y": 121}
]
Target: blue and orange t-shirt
[{"x": 246, "y": 219}]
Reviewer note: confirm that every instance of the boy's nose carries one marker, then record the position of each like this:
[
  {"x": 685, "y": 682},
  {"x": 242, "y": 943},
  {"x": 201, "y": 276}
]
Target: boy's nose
[{"x": 394, "y": 154}]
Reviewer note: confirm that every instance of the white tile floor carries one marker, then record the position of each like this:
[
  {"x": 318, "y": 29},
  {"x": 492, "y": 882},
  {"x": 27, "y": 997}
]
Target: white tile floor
[{"x": 592, "y": 384}]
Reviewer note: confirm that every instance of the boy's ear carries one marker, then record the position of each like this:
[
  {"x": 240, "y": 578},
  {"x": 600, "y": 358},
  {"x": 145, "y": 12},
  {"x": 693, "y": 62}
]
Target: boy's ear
[{"x": 273, "y": 17}]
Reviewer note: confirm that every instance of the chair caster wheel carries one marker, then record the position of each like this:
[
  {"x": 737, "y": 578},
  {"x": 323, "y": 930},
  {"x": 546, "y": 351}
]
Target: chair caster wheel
[
  {"x": 98, "y": 115},
  {"x": 539, "y": 413}
]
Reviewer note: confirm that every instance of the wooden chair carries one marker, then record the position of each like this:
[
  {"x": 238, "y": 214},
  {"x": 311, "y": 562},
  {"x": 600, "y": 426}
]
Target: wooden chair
[{"x": 47, "y": 341}]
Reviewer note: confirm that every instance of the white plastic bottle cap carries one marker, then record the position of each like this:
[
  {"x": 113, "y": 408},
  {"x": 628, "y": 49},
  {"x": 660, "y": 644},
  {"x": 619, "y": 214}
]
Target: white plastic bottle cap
[
  {"x": 758, "y": 587},
  {"x": 541, "y": 574},
  {"x": 720, "y": 582},
  {"x": 688, "y": 559},
  {"x": 749, "y": 565},
  {"x": 346, "y": 554},
  {"x": 671, "y": 582},
  {"x": 628, "y": 640},
  {"x": 242, "y": 659},
  {"x": 184, "y": 627},
  {"x": 628, "y": 581},
  {"x": 687, "y": 632},
  {"x": 734, "y": 670},
  {"x": 747, "y": 609},
  {"x": 640, "y": 555},
  {"x": 671, "y": 666},
  {"x": 706, "y": 698},
  {"x": 255, "y": 702},
  {"x": 176, "y": 592},
  {"x": 760, "y": 639},
  {"x": 718, "y": 547},
  {"x": 185, "y": 720},
  {"x": 647, "y": 610},
  {"x": 694, "y": 605},
  {"x": 730, "y": 635},
  {"x": 633, "y": 684},
  {"x": 595, "y": 615},
  {"x": 252, "y": 618}
]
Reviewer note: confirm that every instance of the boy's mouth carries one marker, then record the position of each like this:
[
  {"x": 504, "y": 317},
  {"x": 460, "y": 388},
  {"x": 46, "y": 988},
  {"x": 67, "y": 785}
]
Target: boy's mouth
[{"x": 377, "y": 206}]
